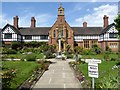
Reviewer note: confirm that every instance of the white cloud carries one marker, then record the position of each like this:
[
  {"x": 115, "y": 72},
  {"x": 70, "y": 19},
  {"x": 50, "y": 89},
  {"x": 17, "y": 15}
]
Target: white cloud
[
  {"x": 25, "y": 21},
  {"x": 96, "y": 18},
  {"x": 4, "y": 20}
]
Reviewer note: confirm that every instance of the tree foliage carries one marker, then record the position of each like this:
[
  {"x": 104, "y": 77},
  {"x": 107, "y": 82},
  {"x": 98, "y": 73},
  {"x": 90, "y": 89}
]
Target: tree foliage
[{"x": 117, "y": 24}]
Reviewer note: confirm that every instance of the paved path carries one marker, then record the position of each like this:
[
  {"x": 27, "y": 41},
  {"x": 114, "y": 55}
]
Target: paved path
[{"x": 59, "y": 75}]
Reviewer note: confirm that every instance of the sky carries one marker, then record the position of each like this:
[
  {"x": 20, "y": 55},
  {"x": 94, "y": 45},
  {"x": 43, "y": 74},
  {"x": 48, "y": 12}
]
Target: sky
[{"x": 45, "y": 13}]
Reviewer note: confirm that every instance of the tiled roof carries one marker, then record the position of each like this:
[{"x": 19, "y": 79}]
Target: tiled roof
[
  {"x": 45, "y": 30},
  {"x": 35, "y": 31},
  {"x": 87, "y": 30}
]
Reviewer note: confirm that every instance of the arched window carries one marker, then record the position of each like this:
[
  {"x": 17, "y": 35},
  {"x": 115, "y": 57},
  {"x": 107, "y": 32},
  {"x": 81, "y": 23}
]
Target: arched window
[{"x": 54, "y": 33}]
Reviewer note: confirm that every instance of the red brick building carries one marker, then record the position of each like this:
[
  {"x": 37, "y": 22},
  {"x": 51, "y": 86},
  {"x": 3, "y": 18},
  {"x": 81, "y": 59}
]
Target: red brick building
[{"x": 83, "y": 36}]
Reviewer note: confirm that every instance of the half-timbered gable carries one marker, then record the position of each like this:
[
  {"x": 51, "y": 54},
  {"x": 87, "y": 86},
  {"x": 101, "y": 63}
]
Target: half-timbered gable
[{"x": 10, "y": 33}]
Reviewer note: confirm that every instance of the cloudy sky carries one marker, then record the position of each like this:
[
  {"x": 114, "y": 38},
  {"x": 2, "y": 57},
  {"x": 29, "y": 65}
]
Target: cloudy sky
[{"x": 45, "y": 13}]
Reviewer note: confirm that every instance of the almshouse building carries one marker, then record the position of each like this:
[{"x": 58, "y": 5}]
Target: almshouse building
[{"x": 83, "y": 36}]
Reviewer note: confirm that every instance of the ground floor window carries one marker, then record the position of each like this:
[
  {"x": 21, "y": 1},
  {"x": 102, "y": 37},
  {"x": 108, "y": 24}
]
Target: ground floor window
[
  {"x": 43, "y": 37},
  {"x": 94, "y": 42},
  {"x": 7, "y": 36},
  {"x": 113, "y": 45},
  {"x": 86, "y": 44}
]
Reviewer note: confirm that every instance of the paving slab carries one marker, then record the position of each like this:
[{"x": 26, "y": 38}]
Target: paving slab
[{"x": 59, "y": 75}]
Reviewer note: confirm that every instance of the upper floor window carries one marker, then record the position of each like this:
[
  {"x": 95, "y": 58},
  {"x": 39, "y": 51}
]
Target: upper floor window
[
  {"x": 113, "y": 35},
  {"x": 62, "y": 33},
  {"x": 8, "y": 36},
  {"x": 54, "y": 33},
  {"x": 67, "y": 34},
  {"x": 28, "y": 37},
  {"x": 43, "y": 37}
]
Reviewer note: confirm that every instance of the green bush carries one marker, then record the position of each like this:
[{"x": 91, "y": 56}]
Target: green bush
[
  {"x": 78, "y": 50},
  {"x": 106, "y": 57},
  {"x": 29, "y": 57},
  {"x": 8, "y": 51},
  {"x": 48, "y": 54},
  {"x": 69, "y": 56},
  {"x": 88, "y": 52}
]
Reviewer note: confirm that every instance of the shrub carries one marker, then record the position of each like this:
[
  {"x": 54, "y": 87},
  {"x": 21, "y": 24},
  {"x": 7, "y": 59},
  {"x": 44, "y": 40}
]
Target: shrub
[
  {"x": 48, "y": 55},
  {"x": 30, "y": 57},
  {"x": 17, "y": 45},
  {"x": 106, "y": 57},
  {"x": 96, "y": 49},
  {"x": 78, "y": 50},
  {"x": 88, "y": 52},
  {"x": 69, "y": 56},
  {"x": 9, "y": 51},
  {"x": 113, "y": 59},
  {"x": 7, "y": 77}
]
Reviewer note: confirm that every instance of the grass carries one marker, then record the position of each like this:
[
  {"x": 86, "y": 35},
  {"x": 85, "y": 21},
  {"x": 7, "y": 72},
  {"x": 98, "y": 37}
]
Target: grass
[
  {"x": 19, "y": 56},
  {"x": 100, "y": 56},
  {"x": 105, "y": 71},
  {"x": 23, "y": 70}
]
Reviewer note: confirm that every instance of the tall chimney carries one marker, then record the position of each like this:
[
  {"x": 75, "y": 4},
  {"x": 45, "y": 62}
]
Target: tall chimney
[
  {"x": 15, "y": 21},
  {"x": 84, "y": 24},
  {"x": 33, "y": 21},
  {"x": 105, "y": 19}
]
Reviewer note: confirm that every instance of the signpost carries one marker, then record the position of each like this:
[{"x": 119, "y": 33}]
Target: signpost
[{"x": 93, "y": 69}]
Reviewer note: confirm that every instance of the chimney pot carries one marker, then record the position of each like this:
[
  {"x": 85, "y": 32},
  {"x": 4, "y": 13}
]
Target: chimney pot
[{"x": 84, "y": 24}]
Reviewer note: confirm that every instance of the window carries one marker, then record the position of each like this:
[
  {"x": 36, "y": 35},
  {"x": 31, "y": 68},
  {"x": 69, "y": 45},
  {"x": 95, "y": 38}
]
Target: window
[
  {"x": 43, "y": 37},
  {"x": 54, "y": 33},
  {"x": 113, "y": 35},
  {"x": 60, "y": 12},
  {"x": 93, "y": 43},
  {"x": 28, "y": 37},
  {"x": 62, "y": 33},
  {"x": 86, "y": 44},
  {"x": 67, "y": 34},
  {"x": 113, "y": 45},
  {"x": 8, "y": 36}
]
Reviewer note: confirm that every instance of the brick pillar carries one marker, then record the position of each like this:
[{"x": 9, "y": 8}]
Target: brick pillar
[
  {"x": 33, "y": 22},
  {"x": 15, "y": 21}
]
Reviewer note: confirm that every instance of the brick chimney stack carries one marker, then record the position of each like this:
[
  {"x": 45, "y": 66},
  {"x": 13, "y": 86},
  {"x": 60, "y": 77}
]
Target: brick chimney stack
[
  {"x": 84, "y": 24},
  {"x": 105, "y": 19},
  {"x": 33, "y": 21},
  {"x": 15, "y": 21}
]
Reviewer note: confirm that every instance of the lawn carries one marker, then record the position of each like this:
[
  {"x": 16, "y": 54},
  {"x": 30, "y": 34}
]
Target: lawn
[
  {"x": 107, "y": 75},
  {"x": 23, "y": 70},
  {"x": 100, "y": 56},
  {"x": 20, "y": 56}
]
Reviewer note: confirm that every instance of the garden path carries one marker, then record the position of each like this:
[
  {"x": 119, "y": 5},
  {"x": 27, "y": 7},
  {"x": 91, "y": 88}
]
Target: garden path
[{"x": 59, "y": 75}]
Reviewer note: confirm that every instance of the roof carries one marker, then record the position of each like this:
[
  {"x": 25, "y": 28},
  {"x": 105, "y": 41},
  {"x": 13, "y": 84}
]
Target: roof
[
  {"x": 12, "y": 27},
  {"x": 108, "y": 27},
  {"x": 35, "y": 31},
  {"x": 87, "y": 30},
  {"x": 45, "y": 30}
]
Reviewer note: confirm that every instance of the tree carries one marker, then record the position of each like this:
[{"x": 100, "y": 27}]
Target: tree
[{"x": 117, "y": 24}]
